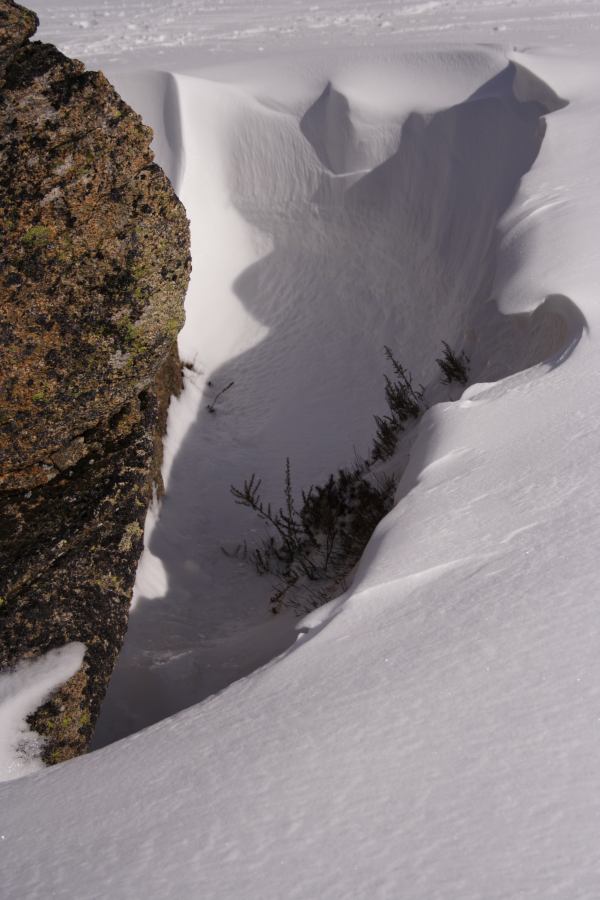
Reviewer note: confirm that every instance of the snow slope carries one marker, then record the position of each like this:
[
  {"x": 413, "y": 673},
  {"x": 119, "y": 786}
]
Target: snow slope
[{"x": 435, "y": 731}]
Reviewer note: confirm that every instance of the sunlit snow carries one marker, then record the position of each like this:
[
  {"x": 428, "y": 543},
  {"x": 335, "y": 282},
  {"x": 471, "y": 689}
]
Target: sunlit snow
[{"x": 395, "y": 173}]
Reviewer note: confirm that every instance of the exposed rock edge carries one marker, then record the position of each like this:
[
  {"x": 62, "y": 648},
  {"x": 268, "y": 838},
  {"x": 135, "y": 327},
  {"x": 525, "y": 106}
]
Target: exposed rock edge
[{"x": 94, "y": 265}]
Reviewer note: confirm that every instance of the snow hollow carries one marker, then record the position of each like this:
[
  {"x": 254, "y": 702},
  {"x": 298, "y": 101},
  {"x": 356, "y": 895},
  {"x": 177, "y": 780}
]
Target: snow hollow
[{"x": 334, "y": 210}]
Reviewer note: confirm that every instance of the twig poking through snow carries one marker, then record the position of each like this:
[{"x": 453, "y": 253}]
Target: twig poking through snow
[{"x": 211, "y": 406}]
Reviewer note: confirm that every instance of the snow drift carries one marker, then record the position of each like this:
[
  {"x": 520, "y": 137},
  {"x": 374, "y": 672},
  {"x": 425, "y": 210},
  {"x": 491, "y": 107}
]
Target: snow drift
[
  {"x": 432, "y": 733},
  {"x": 327, "y": 221}
]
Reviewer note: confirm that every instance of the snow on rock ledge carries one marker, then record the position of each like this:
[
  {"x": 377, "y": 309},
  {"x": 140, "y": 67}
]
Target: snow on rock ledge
[{"x": 22, "y": 691}]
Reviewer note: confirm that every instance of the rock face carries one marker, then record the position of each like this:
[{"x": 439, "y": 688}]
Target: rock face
[{"x": 94, "y": 264}]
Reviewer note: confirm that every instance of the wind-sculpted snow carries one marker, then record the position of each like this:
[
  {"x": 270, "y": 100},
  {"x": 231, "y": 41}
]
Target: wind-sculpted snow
[
  {"x": 434, "y": 731},
  {"x": 322, "y": 229},
  {"x": 327, "y": 125}
]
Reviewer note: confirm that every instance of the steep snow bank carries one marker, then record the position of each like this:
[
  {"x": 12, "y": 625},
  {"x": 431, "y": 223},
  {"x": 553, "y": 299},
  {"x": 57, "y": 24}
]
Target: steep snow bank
[{"x": 328, "y": 219}]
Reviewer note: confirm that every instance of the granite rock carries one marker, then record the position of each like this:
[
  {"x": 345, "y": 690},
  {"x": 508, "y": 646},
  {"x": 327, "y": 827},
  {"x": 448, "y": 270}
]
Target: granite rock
[{"x": 94, "y": 265}]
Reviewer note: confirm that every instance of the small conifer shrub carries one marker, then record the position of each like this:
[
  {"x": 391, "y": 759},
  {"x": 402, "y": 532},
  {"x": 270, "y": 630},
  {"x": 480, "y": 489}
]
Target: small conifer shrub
[
  {"x": 318, "y": 543},
  {"x": 454, "y": 366},
  {"x": 405, "y": 402},
  {"x": 310, "y": 548}
]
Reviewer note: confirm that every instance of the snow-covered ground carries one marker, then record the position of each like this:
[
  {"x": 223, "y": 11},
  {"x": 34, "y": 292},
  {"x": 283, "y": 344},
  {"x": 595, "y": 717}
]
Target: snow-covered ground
[
  {"x": 113, "y": 31},
  {"x": 396, "y": 173}
]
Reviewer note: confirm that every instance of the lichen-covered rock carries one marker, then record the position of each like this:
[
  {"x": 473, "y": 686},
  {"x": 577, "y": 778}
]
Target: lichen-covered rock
[
  {"x": 17, "y": 25},
  {"x": 94, "y": 264}
]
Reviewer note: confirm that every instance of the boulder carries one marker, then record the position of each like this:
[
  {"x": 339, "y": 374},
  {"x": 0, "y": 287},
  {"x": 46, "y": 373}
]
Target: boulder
[{"x": 94, "y": 265}]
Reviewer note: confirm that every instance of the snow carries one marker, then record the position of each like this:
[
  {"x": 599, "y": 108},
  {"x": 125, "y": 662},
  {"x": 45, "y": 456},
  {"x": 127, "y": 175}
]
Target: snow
[
  {"x": 282, "y": 184},
  {"x": 149, "y": 31},
  {"x": 22, "y": 690},
  {"x": 435, "y": 731}
]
